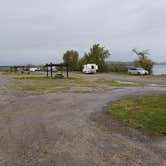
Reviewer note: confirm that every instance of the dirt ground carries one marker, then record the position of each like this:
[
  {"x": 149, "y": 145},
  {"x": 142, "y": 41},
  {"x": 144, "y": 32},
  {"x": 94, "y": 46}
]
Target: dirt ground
[{"x": 71, "y": 129}]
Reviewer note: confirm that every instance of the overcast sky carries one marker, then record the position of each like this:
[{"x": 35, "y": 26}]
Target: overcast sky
[{"x": 40, "y": 31}]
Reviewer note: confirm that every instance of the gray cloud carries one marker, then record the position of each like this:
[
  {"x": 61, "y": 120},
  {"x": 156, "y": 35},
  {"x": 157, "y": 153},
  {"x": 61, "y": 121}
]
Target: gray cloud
[{"x": 41, "y": 31}]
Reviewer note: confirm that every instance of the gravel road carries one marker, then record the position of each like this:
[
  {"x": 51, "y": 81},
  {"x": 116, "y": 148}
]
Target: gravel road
[{"x": 67, "y": 129}]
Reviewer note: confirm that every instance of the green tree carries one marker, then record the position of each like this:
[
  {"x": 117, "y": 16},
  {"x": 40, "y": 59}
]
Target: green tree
[
  {"x": 81, "y": 62},
  {"x": 71, "y": 58},
  {"x": 143, "y": 60},
  {"x": 97, "y": 55}
]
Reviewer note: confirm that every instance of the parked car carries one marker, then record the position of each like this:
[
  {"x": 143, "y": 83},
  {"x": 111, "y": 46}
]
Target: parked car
[
  {"x": 90, "y": 68},
  {"x": 137, "y": 71}
]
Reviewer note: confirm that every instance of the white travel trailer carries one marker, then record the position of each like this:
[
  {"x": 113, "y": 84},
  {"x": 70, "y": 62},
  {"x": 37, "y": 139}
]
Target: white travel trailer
[
  {"x": 90, "y": 68},
  {"x": 33, "y": 69}
]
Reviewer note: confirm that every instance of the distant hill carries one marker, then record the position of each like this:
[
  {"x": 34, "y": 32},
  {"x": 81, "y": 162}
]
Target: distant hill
[{"x": 130, "y": 63}]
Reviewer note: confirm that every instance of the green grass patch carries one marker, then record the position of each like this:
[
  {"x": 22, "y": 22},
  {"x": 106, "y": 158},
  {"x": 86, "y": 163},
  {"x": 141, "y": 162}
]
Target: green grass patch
[
  {"x": 162, "y": 76},
  {"x": 41, "y": 78},
  {"x": 40, "y": 84},
  {"x": 36, "y": 84},
  {"x": 144, "y": 112}
]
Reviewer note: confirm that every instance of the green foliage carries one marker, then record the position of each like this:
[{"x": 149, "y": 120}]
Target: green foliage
[
  {"x": 117, "y": 67},
  {"x": 81, "y": 62},
  {"x": 162, "y": 75},
  {"x": 97, "y": 55},
  {"x": 143, "y": 60},
  {"x": 143, "y": 112},
  {"x": 71, "y": 58}
]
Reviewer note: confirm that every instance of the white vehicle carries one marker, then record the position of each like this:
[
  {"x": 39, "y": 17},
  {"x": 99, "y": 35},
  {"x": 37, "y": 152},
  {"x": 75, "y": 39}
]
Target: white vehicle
[
  {"x": 33, "y": 69},
  {"x": 137, "y": 71},
  {"x": 54, "y": 69},
  {"x": 90, "y": 68}
]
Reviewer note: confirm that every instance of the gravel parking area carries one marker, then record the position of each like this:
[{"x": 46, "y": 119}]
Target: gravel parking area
[{"x": 72, "y": 129}]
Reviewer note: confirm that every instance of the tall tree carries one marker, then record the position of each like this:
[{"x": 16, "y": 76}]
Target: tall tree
[
  {"x": 143, "y": 60},
  {"x": 97, "y": 55},
  {"x": 71, "y": 58}
]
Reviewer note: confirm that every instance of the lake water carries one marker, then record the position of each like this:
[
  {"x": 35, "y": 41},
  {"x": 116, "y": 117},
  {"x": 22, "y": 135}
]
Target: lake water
[{"x": 159, "y": 69}]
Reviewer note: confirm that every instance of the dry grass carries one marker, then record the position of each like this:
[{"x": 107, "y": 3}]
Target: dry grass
[{"x": 39, "y": 84}]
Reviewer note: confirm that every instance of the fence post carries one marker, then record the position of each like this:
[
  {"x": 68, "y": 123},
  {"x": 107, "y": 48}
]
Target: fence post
[{"x": 51, "y": 69}]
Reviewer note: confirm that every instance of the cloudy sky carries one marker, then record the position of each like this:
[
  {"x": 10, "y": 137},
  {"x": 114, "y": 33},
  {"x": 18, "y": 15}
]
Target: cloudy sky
[{"x": 40, "y": 31}]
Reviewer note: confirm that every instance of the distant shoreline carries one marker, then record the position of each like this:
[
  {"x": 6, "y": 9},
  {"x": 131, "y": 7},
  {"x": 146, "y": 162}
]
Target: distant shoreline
[{"x": 158, "y": 68}]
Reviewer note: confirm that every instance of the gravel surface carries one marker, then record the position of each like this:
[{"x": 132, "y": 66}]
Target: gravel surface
[
  {"x": 68, "y": 129},
  {"x": 153, "y": 80}
]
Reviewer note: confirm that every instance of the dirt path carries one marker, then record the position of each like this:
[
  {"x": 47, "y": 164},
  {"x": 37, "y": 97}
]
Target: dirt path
[{"x": 65, "y": 129}]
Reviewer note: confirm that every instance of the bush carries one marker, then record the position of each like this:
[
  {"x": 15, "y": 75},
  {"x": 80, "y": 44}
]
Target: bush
[
  {"x": 117, "y": 67},
  {"x": 143, "y": 60},
  {"x": 145, "y": 63}
]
